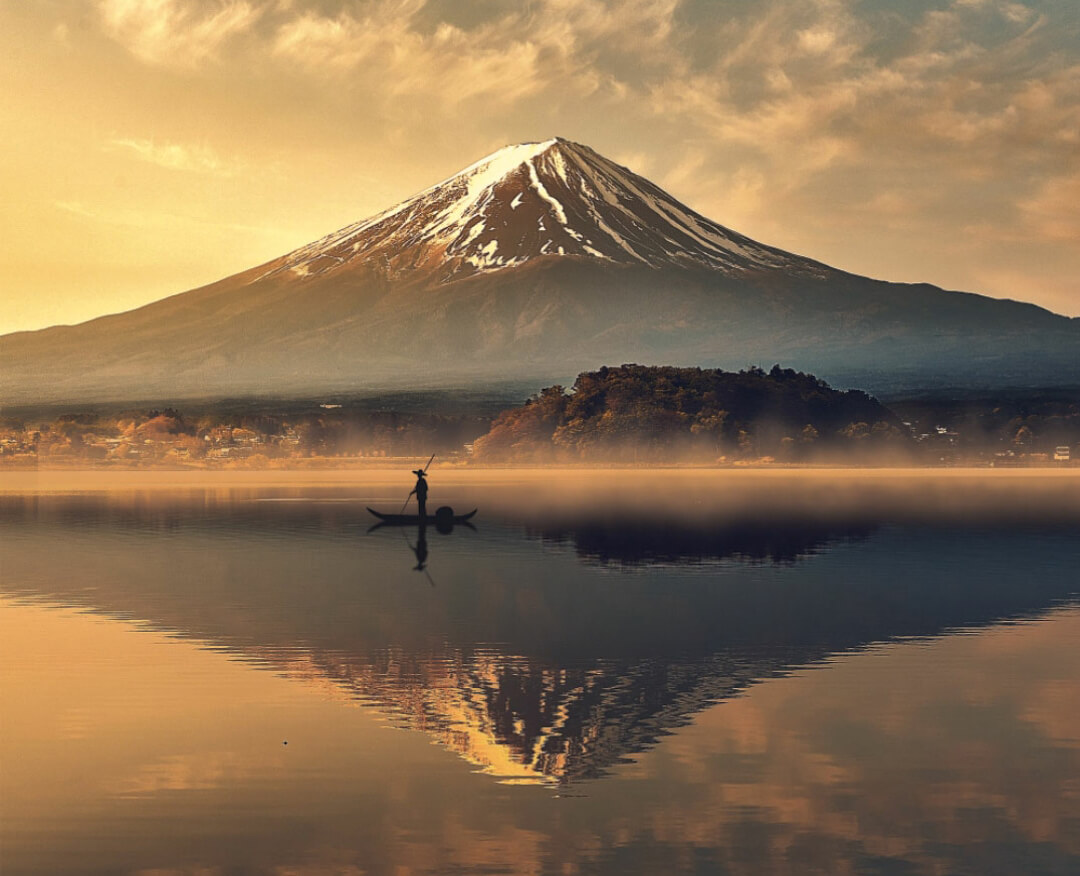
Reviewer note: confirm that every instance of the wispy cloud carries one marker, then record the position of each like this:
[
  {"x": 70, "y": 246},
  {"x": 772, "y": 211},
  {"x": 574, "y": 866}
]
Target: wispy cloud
[
  {"x": 176, "y": 33},
  {"x": 139, "y": 218},
  {"x": 76, "y": 208},
  {"x": 497, "y": 61},
  {"x": 176, "y": 156}
]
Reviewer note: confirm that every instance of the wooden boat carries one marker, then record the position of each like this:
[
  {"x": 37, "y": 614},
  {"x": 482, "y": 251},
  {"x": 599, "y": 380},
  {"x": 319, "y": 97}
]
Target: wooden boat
[{"x": 439, "y": 517}]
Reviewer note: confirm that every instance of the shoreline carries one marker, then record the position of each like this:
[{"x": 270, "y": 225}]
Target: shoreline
[{"x": 59, "y": 480}]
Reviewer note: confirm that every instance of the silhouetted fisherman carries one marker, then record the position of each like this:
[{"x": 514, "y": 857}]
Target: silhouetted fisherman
[{"x": 421, "y": 492}]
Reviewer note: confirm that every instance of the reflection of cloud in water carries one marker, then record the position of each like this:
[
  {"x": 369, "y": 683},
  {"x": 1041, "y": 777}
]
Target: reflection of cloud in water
[
  {"x": 943, "y": 759},
  {"x": 188, "y": 772}
]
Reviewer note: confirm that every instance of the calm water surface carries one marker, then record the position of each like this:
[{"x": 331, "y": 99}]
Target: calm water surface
[{"x": 643, "y": 674}]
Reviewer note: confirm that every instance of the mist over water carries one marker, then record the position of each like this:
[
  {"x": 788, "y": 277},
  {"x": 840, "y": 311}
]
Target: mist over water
[{"x": 623, "y": 670}]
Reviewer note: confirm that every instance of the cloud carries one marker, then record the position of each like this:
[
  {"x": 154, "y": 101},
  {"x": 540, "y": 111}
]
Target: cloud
[
  {"x": 503, "y": 60},
  {"x": 160, "y": 220},
  {"x": 76, "y": 208},
  {"x": 806, "y": 84},
  {"x": 176, "y": 33},
  {"x": 1054, "y": 210},
  {"x": 397, "y": 60},
  {"x": 175, "y": 156},
  {"x": 817, "y": 40},
  {"x": 949, "y": 99}
]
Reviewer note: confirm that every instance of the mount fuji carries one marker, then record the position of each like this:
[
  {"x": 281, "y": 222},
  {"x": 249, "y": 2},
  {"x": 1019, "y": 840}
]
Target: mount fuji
[{"x": 536, "y": 262}]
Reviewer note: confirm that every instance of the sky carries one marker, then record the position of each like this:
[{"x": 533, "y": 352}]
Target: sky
[{"x": 152, "y": 146}]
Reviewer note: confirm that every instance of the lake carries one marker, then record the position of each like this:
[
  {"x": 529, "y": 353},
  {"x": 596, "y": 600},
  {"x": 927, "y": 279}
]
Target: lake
[{"x": 612, "y": 671}]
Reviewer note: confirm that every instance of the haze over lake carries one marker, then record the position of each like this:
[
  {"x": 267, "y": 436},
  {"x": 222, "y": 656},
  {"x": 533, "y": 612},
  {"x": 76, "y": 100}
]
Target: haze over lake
[{"x": 616, "y": 671}]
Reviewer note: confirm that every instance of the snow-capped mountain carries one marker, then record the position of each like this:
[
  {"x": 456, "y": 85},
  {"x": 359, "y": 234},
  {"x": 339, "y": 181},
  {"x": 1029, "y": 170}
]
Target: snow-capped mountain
[
  {"x": 554, "y": 198},
  {"x": 534, "y": 263}
]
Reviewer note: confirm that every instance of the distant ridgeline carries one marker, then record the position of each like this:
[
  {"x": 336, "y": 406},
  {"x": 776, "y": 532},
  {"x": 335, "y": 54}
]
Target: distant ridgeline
[{"x": 642, "y": 413}]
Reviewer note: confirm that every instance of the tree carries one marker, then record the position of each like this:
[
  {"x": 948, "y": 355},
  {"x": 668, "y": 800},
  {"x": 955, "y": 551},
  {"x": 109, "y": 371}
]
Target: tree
[{"x": 639, "y": 412}]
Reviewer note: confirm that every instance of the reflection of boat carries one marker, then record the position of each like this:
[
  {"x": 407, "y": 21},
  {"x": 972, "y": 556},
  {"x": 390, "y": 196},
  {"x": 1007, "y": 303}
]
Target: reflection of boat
[{"x": 414, "y": 519}]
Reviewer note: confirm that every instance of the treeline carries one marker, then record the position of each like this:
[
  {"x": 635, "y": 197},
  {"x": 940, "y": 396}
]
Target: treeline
[
  {"x": 168, "y": 435},
  {"x": 1032, "y": 421},
  {"x": 637, "y": 413}
]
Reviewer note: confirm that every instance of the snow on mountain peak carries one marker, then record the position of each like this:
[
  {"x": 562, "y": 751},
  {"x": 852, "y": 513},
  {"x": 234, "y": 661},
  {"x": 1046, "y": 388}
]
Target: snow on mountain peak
[{"x": 549, "y": 199}]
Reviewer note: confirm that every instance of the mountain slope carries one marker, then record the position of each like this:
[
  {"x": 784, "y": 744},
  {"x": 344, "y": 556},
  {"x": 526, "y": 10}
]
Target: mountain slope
[
  {"x": 523, "y": 202},
  {"x": 538, "y": 261}
]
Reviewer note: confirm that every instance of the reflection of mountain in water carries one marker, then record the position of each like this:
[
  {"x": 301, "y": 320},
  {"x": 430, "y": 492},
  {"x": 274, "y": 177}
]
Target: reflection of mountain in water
[
  {"x": 632, "y": 540},
  {"x": 524, "y": 721},
  {"x": 531, "y": 664}
]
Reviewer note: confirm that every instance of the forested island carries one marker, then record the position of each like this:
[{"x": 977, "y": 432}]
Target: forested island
[{"x": 638, "y": 413}]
